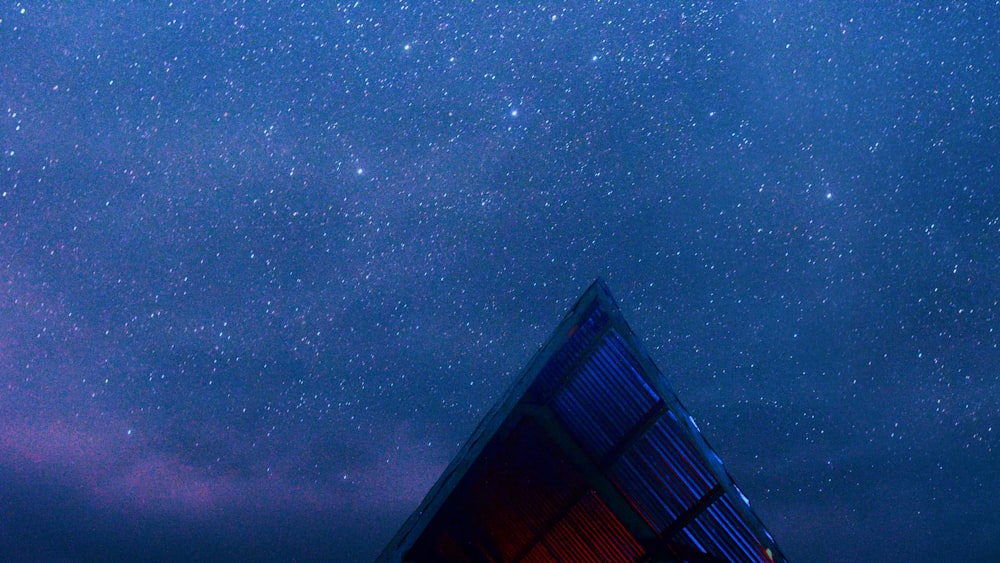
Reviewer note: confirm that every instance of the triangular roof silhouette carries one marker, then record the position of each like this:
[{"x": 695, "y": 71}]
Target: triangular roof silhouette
[{"x": 589, "y": 456}]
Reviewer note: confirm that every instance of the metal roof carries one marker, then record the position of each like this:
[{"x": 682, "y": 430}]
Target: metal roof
[{"x": 590, "y": 456}]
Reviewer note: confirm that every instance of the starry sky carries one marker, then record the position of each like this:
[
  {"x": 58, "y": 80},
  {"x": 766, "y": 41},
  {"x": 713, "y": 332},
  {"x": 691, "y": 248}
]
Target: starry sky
[{"x": 265, "y": 265}]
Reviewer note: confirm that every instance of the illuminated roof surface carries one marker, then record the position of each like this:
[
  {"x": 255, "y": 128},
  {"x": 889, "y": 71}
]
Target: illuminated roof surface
[{"x": 589, "y": 457}]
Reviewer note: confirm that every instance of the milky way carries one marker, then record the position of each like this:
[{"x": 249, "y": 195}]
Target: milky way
[{"x": 264, "y": 266}]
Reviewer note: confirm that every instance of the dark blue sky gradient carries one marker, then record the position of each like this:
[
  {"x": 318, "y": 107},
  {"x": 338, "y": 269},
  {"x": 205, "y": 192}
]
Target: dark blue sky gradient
[{"x": 263, "y": 266}]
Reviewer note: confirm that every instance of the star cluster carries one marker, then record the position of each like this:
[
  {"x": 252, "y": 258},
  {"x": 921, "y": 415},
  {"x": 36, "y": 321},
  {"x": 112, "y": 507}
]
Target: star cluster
[{"x": 263, "y": 266}]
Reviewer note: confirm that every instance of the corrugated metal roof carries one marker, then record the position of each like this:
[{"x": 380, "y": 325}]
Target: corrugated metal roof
[
  {"x": 590, "y": 457},
  {"x": 580, "y": 337},
  {"x": 662, "y": 474},
  {"x": 589, "y": 532},
  {"x": 604, "y": 399}
]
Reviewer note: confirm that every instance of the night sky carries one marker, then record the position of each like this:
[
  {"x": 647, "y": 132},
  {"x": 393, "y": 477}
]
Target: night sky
[{"x": 265, "y": 265}]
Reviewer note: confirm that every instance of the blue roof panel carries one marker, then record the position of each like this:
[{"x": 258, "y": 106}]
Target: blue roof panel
[
  {"x": 580, "y": 337},
  {"x": 723, "y": 533},
  {"x": 604, "y": 399},
  {"x": 662, "y": 474}
]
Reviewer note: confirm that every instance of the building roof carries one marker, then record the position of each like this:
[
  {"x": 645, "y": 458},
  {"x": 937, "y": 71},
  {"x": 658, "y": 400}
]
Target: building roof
[{"x": 590, "y": 456}]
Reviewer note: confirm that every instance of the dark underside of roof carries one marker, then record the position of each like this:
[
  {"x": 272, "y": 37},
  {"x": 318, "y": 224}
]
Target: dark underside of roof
[{"x": 590, "y": 457}]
